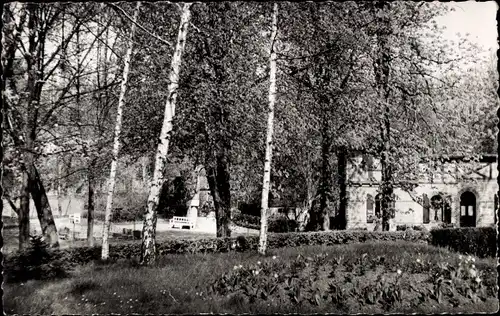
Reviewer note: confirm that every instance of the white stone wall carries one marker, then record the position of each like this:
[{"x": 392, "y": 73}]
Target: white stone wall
[{"x": 483, "y": 185}]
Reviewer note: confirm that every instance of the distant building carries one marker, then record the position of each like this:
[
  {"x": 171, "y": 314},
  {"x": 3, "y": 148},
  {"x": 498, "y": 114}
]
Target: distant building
[{"x": 456, "y": 191}]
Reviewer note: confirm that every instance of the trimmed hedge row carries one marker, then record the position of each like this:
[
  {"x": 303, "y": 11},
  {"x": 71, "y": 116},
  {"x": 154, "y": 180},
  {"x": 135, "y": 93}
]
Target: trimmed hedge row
[
  {"x": 15, "y": 263},
  {"x": 478, "y": 241}
]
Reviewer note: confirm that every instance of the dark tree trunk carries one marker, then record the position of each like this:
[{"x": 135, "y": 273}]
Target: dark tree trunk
[
  {"x": 342, "y": 182},
  {"x": 90, "y": 208},
  {"x": 24, "y": 213},
  {"x": 218, "y": 182},
  {"x": 325, "y": 185},
  {"x": 42, "y": 206},
  {"x": 382, "y": 73}
]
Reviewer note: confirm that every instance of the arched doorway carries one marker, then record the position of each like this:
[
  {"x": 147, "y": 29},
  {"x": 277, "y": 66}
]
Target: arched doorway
[{"x": 467, "y": 209}]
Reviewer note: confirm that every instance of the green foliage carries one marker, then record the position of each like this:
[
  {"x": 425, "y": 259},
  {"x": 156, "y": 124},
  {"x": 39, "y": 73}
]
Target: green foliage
[
  {"x": 41, "y": 263},
  {"x": 343, "y": 281},
  {"x": 410, "y": 227},
  {"x": 37, "y": 262},
  {"x": 247, "y": 221},
  {"x": 281, "y": 225},
  {"x": 275, "y": 224},
  {"x": 126, "y": 207},
  {"x": 174, "y": 198},
  {"x": 479, "y": 241}
]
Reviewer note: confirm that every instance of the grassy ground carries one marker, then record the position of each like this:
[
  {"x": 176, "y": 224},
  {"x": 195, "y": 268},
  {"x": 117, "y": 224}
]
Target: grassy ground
[{"x": 174, "y": 283}]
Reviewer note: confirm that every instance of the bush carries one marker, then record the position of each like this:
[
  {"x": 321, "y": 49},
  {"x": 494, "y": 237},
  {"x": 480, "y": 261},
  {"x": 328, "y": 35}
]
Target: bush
[
  {"x": 405, "y": 227},
  {"x": 274, "y": 224},
  {"x": 247, "y": 221},
  {"x": 479, "y": 241},
  {"x": 252, "y": 209},
  {"x": 282, "y": 225},
  {"x": 36, "y": 262},
  {"x": 127, "y": 207}
]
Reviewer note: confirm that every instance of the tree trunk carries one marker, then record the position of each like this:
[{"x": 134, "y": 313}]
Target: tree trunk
[
  {"x": 382, "y": 73},
  {"x": 58, "y": 188},
  {"x": 325, "y": 185},
  {"x": 342, "y": 182},
  {"x": 266, "y": 183},
  {"x": 90, "y": 208},
  {"x": 116, "y": 142},
  {"x": 24, "y": 213},
  {"x": 218, "y": 182},
  {"x": 43, "y": 210},
  {"x": 148, "y": 251}
]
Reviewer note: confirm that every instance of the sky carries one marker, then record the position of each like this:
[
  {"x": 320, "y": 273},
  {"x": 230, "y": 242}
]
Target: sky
[{"x": 476, "y": 18}]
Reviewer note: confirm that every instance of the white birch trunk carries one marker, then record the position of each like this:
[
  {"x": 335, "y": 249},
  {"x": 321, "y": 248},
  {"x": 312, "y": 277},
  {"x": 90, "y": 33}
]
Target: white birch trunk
[
  {"x": 149, "y": 228},
  {"x": 269, "y": 139},
  {"x": 116, "y": 142}
]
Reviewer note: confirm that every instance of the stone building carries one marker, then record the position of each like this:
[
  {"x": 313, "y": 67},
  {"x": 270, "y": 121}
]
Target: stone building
[{"x": 453, "y": 191}]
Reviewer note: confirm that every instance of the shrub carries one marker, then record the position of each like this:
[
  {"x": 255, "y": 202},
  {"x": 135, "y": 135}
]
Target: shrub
[
  {"x": 36, "y": 262},
  {"x": 126, "y": 207},
  {"x": 479, "y": 241},
  {"x": 282, "y": 225},
  {"x": 405, "y": 227},
  {"x": 247, "y": 221},
  {"x": 252, "y": 209},
  {"x": 275, "y": 224}
]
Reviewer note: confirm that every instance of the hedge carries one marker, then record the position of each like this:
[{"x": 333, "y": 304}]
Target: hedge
[
  {"x": 17, "y": 264},
  {"x": 478, "y": 241}
]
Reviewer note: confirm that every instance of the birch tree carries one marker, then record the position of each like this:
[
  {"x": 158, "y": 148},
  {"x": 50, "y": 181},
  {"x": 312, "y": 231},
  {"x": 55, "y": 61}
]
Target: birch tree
[
  {"x": 148, "y": 250},
  {"x": 269, "y": 138},
  {"x": 116, "y": 142}
]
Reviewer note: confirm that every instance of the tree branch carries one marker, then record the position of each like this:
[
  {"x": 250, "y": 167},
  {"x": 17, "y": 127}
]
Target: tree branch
[{"x": 120, "y": 10}]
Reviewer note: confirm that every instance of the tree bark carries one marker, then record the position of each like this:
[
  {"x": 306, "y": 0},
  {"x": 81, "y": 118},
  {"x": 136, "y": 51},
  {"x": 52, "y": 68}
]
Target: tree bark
[
  {"x": 382, "y": 73},
  {"x": 325, "y": 185},
  {"x": 218, "y": 182},
  {"x": 58, "y": 188},
  {"x": 342, "y": 182},
  {"x": 90, "y": 208},
  {"x": 116, "y": 142},
  {"x": 24, "y": 213},
  {"x": 148, "y": 251},
  {"x": 43, "y": 210},
  {"x": 266, "y": 183}
]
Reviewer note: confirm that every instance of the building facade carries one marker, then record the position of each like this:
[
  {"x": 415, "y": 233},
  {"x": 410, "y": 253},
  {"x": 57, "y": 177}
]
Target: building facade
[{"x": 453, "y": 191}]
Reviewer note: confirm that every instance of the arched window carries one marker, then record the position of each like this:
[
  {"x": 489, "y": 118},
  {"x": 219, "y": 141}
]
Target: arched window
[
  {"x": 426, "y": 208},
  {"x": 369, "y": 209}
]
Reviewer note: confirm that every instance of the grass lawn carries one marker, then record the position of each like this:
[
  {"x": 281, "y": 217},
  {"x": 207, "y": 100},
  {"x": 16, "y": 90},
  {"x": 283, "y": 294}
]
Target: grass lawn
[{"x": 180, "y": 283}]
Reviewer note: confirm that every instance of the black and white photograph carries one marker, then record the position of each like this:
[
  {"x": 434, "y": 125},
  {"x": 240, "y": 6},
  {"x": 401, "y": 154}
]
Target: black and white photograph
[{"x": 244, "y": 157}]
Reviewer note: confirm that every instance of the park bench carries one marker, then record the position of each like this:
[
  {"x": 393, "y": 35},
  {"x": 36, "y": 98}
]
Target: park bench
[{"x": 183, "y": 221}]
